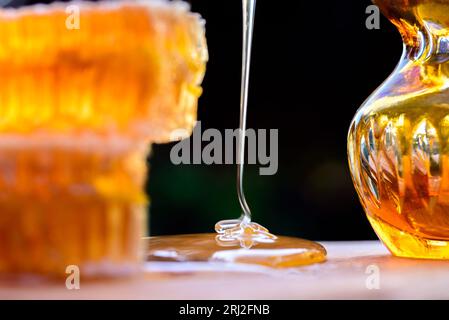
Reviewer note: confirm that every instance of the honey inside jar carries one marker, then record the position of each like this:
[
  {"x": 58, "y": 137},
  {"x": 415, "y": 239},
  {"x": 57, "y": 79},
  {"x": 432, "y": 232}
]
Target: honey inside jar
[{"x": 398, "y": 142}]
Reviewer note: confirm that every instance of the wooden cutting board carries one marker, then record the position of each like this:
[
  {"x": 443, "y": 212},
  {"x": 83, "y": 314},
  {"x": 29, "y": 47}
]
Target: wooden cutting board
[{"x": 354, "y": 270}]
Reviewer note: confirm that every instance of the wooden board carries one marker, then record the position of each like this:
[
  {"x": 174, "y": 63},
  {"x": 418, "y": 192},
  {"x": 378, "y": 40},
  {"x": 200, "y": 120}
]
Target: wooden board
[{"x": 352, "y": 271}]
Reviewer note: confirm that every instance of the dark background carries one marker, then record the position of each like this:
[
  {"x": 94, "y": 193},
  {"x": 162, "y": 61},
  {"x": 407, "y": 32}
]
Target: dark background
[{"x": 314, "y": 63}]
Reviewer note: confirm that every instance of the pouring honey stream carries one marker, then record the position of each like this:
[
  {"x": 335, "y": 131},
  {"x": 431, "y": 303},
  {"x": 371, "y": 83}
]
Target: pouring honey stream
[{"x": 240, "y": 240}]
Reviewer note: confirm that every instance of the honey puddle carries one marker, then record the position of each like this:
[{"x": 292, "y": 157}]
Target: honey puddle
[{"x": 282, "y": 252}]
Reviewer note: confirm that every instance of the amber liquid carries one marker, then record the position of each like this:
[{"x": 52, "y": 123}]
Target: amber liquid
[
  {"x": 284, "y": 252},
  {"x": 78, "y": 110},
  {"x": 399, "y": 151}
]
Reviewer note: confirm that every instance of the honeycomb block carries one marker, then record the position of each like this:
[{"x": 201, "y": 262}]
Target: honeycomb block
[
  {"x": 80, "y": 105},
  {"x": 132, "y": 68}
]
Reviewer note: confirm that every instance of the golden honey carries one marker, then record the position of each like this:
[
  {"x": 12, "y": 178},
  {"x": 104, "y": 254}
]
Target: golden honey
[
  {"x": 280, "y": 253},
  {"x": 399, "y": 139},
  {"x": 62, "y": 206},
  {"x": 79, "y": 108},
  {"x": 132, "y": 68}
]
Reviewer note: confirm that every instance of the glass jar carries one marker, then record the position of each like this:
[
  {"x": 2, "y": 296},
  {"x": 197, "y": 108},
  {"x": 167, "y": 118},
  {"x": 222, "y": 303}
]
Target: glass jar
[{"x": 398, "y": 143}]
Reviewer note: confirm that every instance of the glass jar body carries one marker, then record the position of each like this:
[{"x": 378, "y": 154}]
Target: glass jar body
[{"x": 398, "y": 143}]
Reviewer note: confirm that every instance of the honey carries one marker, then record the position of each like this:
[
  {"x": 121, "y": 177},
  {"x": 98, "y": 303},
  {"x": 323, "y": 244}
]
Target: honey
[
  {"x": 399, "y": 140},
  {"x": 79, "y": 109},
  {"x": 71, "y": 206},
  {"x": 132, "y": 68},
  {"x": 282, "y": 252},
  {"x": 239, "y": 240}
]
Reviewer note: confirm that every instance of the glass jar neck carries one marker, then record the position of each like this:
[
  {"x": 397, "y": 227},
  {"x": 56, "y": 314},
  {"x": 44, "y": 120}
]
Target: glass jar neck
[{"x": 424, "y": 26}]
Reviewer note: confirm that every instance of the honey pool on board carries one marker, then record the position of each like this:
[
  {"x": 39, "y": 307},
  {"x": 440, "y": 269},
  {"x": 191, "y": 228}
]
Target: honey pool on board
[
  {"x": 399, "y": 139},
  {"x": 282, "y": 252},
  {"x": 78, "y": 111}
]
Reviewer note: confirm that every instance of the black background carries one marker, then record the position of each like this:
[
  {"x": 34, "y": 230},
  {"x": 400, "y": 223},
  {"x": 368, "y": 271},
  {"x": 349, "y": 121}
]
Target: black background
[{"x": 314, "y": 63}]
